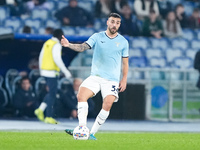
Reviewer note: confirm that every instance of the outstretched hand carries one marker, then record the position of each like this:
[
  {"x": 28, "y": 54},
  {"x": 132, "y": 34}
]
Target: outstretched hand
[{"x": 64, "y": 42}]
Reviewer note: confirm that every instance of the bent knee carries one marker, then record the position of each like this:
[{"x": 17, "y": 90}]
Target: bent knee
[
  {"x": 107, "y": 106},
  {"x": 84, "y": 94},
  {"x": 81, "y": 98}
]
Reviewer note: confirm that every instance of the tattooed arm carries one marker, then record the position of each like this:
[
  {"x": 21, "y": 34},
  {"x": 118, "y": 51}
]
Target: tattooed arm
[
  {"x": 79, "y": 47},
  {"x": 76, "y": 47}
]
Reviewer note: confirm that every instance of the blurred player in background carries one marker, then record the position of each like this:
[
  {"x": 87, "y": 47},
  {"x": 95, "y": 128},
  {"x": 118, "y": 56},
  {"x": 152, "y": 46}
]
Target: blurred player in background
[
  {"x": 110, "y": 50},
  {"x": 51, "y": 63}
]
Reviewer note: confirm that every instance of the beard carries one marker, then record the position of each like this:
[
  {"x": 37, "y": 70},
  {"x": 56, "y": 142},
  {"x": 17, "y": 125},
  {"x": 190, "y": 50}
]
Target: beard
[{"x": 113, "y": 30}]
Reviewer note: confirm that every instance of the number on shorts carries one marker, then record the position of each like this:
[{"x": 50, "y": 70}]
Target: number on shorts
[{"x": 114, "y": 88}]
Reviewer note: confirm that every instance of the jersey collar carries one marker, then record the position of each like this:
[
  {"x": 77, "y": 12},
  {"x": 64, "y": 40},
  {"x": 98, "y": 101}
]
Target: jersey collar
[{"x": 109, "y": 37}]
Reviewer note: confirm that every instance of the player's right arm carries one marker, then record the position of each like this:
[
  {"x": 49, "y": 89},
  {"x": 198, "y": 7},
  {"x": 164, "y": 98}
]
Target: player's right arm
[{"x": 76, "y": 47}]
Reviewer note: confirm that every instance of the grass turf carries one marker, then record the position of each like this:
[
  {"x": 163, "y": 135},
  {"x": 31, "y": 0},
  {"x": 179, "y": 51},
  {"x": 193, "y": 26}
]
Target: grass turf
[{"x": 106, "y": 141}]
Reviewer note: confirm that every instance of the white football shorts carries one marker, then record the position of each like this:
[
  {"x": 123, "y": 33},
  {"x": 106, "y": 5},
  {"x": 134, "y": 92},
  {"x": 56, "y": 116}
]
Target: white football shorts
[{"x": 96, "y": 84}]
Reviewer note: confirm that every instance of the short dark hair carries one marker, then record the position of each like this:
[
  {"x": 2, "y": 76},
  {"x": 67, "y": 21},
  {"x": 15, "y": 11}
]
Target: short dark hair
[
  {"x": 115, "y": 15},
  {"x": 24, "y": 78},
  {"x": 26, "y": 29},
  {"x": 58, "y": 33},
  {"x": 49, "y": 30}
]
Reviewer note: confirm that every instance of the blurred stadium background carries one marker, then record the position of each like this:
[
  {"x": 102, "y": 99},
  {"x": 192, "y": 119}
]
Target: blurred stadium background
[{"x": 161, "y": 68}]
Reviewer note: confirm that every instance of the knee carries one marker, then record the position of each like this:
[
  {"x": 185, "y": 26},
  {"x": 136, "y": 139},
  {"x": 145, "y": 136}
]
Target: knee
[
  {"x": 80, "y": 98},
  {"x": 107, "y": 106},
  {"x": 108, "y": 102}
]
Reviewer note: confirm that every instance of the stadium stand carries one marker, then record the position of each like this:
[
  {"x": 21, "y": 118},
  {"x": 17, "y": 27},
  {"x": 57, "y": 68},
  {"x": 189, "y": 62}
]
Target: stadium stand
[
  {"x": 140, "y": 42},
  {"x": 4, "y": 11},
  {"x": 182, "y": 62},
  {"x": 64, "y": 84},
  {"x": 40, "y": 86},
  {"x": 33, "y": 30},
  {"x": 16, "y": 84},
  {"x": 33, "y": 76},
  {"x": 15, "y": 23},
  {"x": 61, "y": 4},
  {"x": 85, "y": 31},
  {"x": 52, "y": 5},
  {"x": 175, "y": 2},
  {"x": 189, "y": 34},
  {"x": 193, "y": 76},
  {"x": 195, "y": 44},
  {"x": 87, "y": 59},
  {"x": 171, "y": 54},
  {"x": 69, "y": 30},
  {"x": 98, "y": 24},
  {"x": 190, "y": 53},
  {"x": 189, "y": 6},
  {"x": 174, "y": 76},
  {"x": 160, "y": 43},
  {"x": 87, "y": 5},
  {"x": 137, "y": 62},
  {"x": 198, "y": 34},
  {"x": 153, "y": 52},
  {"x": 42, "y": 14},
  {"x": 41, "y": 30},
  {"x": 53, "y": 23},
  {"x": 156, "y": 75},
  {"x": 36, "y": 23},
  {"x": 141, "y": 48},
  {"x": 1, "y": 80},
  {"x": 159, "y": 62},
  {"x": 6, "y": 30},
  {"x": 136, "y": 52},
  {"x": 3, "y": 97},
  {"x": 180, "y": 43},
  {"x": 138, "y": 75},
  {"x": 9, "y": 79}
]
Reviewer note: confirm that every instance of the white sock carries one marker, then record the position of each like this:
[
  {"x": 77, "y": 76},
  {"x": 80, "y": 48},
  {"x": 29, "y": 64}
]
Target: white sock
[
  {"x": 82, "y": 113},
  {"x": 100, "y": 119},
  {"x": 43, "y": 106}
]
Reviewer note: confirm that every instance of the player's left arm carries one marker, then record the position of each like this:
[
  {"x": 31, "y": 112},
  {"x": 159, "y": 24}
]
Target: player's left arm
[{"x": 123, "y": 82}]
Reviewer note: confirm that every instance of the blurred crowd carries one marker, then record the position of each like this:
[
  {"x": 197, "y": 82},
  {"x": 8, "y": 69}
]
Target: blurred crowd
[
  {"x": 151, "y": 18},
  {"x": 28, "y": 92}
]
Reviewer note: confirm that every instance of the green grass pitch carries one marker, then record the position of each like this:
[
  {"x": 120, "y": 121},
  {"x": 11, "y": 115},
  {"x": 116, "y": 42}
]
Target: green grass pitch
[{"x": 18, "y": 140}]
